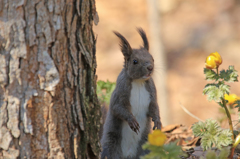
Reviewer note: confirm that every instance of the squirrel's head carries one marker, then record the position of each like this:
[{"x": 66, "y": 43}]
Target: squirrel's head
[{"x": 138, "y": 63}]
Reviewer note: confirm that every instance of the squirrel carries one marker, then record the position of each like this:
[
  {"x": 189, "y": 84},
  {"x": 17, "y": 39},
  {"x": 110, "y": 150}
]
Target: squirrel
[{"x": 133, "y": 103}]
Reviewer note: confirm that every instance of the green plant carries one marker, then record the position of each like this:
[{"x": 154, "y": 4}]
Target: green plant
[
  {"x": 210, "y": 131},
  {"x": 167, "y": 151},
  {"x": 212, "y": 134},
  {"x": 223, "y": 154},
  {"x": 104, "y": 91},
  {"x": 157, "y": 148}
]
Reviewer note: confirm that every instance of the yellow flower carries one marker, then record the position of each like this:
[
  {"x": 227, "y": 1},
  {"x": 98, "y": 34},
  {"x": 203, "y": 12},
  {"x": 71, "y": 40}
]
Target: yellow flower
[
  {"x": 213, "y": 60},
  {"x": 231, "y": 98},
  {"x": 157, "y": 138}
]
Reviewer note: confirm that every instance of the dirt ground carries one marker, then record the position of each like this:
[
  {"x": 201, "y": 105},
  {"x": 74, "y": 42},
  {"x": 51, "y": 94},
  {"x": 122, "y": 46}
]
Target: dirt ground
[{"x": 190, "y": 31}]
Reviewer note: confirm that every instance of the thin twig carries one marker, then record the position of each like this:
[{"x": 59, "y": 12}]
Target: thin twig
[
  {"x": 236, "y": 123},
  {"x": 189, "y": 113}
]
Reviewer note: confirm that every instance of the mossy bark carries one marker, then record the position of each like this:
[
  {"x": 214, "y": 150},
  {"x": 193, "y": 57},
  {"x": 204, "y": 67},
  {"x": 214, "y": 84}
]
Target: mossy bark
[{"x": 48, "y": 101}]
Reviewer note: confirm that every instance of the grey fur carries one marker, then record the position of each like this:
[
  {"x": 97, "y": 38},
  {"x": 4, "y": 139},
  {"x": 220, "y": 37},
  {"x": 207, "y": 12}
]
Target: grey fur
[
  {"x": 120, "y": 107},
  {"x": 144, "y": 37}
]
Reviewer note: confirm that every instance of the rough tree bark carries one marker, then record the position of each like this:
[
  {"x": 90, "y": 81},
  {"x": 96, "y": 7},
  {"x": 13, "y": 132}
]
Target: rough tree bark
[{"x": 48, "y": 102}]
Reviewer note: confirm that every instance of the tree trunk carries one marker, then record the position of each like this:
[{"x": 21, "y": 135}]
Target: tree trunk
[
  {"x": 48, "y": 102},
  {"x": 157, "y": 50}
]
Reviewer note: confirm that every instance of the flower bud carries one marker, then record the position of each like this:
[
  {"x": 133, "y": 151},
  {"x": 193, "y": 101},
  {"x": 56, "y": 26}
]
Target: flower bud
[
  {"x": 213, "y": 60},
  {"x": 231, "y": 98},
  {"x": 237, "y": 141},
  {"x": 157, "y": 138}
]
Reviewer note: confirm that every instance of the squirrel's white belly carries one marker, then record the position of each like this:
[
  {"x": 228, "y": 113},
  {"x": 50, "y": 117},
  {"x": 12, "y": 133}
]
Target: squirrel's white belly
[{"x": 139, "y": 100}]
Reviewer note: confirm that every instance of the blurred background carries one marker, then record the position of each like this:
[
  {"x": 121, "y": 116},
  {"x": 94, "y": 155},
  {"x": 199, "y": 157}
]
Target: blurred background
[{"x": 187, "y": 32}]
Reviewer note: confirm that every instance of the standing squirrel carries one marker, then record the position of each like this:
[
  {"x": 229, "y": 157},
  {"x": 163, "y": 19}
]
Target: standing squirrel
[{"x": 133, "y": 103}]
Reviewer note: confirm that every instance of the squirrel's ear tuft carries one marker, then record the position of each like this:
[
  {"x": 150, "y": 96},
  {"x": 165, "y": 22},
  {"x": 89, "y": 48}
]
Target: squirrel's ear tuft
[
  {"x": 125, "y": 47},
  {"x": 144, "y": 37}
]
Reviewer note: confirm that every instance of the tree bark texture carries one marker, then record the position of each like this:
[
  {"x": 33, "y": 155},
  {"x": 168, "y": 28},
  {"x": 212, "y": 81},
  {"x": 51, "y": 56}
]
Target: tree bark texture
[{"x": 48, "y": 101}]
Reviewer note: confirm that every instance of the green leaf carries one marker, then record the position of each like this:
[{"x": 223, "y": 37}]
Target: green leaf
[
  {"x": 168, "y": 151},
  {"x": 224, "y": 138},
  {"x": 224, "y": 153},
  {"x": 213, "y": 127},
  {"x": 152, "y": 147},
  {"x": 220, "y": 103},
  {"x": 210, "y": 74},
  {"x": 216, "y": 91},
  {"x": 212, "y": 92},
  {"x": 212, "y": 134},
  {"x": 104, "y": 91},
  {"x": 207, "y": 141},
  {"x": 211, "y": 155},
  {"x": 237, "y": 104},
  {"x": 199, "y": 129},
  {"x": 230, "y": 75},
  {"x": 173, "y": 150},
  {"x": 209, "y": 88},
  {"x": 155, "y": 151},
  {"x": 224, "y": 89}
]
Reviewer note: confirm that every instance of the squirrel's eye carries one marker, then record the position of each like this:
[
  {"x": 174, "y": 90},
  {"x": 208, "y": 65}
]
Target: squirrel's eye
[{"x": 135, "y": 62}]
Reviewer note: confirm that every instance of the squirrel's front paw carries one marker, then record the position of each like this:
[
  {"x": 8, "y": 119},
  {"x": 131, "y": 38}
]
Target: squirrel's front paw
[
  {"x": 157, "y": 124},
  {"x": 134, "y": 125}
]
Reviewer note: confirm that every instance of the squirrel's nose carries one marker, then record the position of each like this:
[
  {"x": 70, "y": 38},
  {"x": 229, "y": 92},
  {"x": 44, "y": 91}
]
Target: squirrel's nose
[{"x": 150, "y": 68}]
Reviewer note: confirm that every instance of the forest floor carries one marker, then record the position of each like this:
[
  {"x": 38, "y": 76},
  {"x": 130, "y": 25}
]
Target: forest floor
[{"x": 189, "y": 143}]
